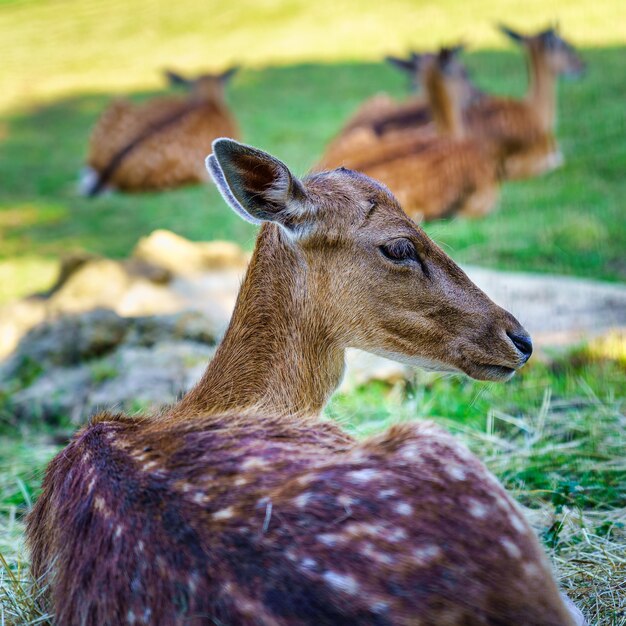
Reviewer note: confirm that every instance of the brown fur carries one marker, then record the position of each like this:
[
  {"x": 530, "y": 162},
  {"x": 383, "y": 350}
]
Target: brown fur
[
  {"x": 236, "y": 508},
  {"x": 433, "y": 174},
  {"x": 175, "y": 134}
]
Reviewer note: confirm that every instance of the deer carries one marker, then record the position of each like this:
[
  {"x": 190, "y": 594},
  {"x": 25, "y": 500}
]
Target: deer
[
  {"x": 241, "y": 505},
  {"x": 159, "y": 144},
  {"x": 521, "y": 132},
  {"x": 433, "y": 176},
  {"x": 381, "y": 114},
  {"x": 372, "y": 113}
]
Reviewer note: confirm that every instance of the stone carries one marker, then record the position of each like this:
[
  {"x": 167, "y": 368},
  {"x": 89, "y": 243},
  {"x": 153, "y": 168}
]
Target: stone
[{"x": 180, "y": 256}]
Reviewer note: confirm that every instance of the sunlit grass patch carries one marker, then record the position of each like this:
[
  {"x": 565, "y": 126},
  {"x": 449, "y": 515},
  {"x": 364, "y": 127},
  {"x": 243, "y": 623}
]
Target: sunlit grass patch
[{"x": 22, "y": 276}]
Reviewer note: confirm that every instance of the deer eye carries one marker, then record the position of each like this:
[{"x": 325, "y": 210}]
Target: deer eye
[{"x": 400, "y": 251}]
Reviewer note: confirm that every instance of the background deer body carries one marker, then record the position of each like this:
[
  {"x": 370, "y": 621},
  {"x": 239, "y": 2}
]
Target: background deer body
[
  {"x": 240, "y": 506},
  {"x": 434, "y": 173},
  {"x": 161, "y": 143},
  {"x": 521, "y": 132}
]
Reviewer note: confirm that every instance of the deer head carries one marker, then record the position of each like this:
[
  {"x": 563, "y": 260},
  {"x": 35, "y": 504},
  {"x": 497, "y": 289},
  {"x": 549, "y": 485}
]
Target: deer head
[
  {"x": 362, "y": 274},
  {"x": 559, "y": 56},
  {"x": 411, "y": 66},
  {"x": 418, "y": 65},
  {"x": 205, "y": 86}
]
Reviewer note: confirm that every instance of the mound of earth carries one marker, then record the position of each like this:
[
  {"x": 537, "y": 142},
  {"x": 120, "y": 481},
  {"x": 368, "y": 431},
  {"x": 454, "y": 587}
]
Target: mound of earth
[{"x": 137, "y": 333}]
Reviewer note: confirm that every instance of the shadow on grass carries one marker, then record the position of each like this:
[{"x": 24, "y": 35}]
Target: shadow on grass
[{"x": 571, "y": 221}]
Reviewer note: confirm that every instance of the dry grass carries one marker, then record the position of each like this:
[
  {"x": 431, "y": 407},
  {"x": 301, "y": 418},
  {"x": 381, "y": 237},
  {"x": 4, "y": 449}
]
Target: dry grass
[{"x": 564, "y": 463}]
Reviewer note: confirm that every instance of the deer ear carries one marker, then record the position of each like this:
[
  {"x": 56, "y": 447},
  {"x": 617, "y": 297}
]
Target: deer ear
[
  {"x": 257, "y": 186},
  {"x": 511, "y": 34},
  {"x": 228, "y": 74},
  {"x": 406, "y": 65},
  {"x": 175, "y": 79}
]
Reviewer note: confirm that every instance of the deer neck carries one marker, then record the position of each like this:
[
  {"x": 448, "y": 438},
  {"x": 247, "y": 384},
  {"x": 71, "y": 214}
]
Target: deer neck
[
  {"x": 278, "y": 354},
  {"x": 542, "y": 89},
  {"x": 445, "y": 107}
]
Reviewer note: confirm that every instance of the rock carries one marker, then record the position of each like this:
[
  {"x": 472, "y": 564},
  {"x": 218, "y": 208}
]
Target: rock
[
  {"x": 97, "y": 284},
  {"x": 73, "y": 339},
  {"x": 146, "y": 298},
  {"x": 68, "y": 340},
  {"x": 15, "y": 321},
  {"x": 180, "y": 256},
  {"x": 70, "y": 264},
  {"x": 130, "y": 379}
]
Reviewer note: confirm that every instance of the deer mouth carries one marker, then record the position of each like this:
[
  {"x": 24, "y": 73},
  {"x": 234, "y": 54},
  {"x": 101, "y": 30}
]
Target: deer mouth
[{"x": 490, "y": 372}]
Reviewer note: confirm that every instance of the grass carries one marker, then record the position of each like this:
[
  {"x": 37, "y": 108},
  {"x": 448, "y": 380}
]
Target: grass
[{"x": 554, "y": 436}]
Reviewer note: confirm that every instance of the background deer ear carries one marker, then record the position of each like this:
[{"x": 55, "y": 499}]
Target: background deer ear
[
  {"x": 228, "y": 74},
  {"x": 175, "y": 79},
  {"x": 257, "y": 186},
  {"x": 406, "y": 65},
  {"x": 511, "y": 34}
]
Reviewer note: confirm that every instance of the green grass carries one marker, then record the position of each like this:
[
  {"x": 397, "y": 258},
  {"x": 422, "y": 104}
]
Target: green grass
[{"x": 54, "y": 47}]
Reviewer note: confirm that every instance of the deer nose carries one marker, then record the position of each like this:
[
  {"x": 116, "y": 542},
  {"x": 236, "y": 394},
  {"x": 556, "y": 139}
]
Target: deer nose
[{"x": 523, "y": 343}]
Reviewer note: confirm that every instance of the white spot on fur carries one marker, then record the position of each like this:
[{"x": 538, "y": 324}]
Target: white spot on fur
[
  {"x": 531, "y": 570},
  {"x": 362, "y": 528},
  {"x": 410, "y": 453},
  {"x": 92, "y": 482},
  {"x": 517, "y": 523},
  {"x": 100, "y": 505},
  {"x": 306, "y": 479},
  {"x": 147, "y": 614},
  {"x": 148, "y": 466},
  {"x": 240, "y": 481},
  {"x": 368, "y": 549},
  {"x": 477, "y": 509},
  {"x": 308, "y": 563},
  {"x": 226, "y": 513},
  {"x": 511, "y": 549},
  {"x": 200, "y": 498},
  {"x": 379, "y": 607},
  {"x": 130, "y": 617},
  {"x": 403, "y": 508},
  {"x": 396, "y": 534},
  {"x": 364, "y": 475},
  {"x": 302, "y": 500},
  {"x": 254, "y": 462},
  {"x": 140, "y": 546},
  {"x": 342, "y": 582},
  {"x": 426, "y": 554},
  {"x": 455, "y": 472},
  {"x": 345, "y": 500},
  {"x": 328, "y": 539},
  {"x": 388, "y": 493},
  {"x": 118, "y": 531}
]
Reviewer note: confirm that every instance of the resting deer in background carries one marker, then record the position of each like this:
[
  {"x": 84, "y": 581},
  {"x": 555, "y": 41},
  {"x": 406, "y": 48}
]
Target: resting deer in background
[
  {"x": 433, "y": 176},
  {"x": 373, "y": 113},
  {"x": 240, "y": 506},
  {"x": 159, "y": 144},
  {"x": 381, "y": 114},
  {"x": 520, "y": 133}
]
